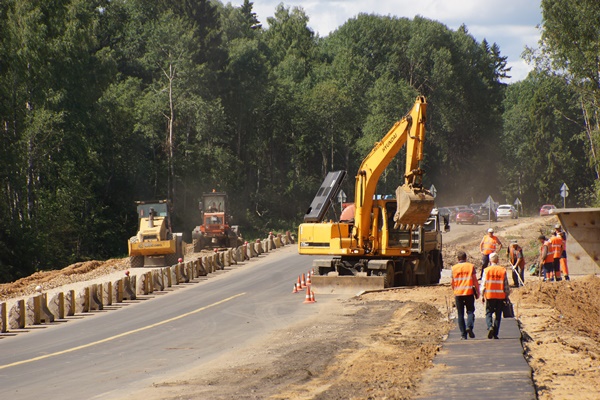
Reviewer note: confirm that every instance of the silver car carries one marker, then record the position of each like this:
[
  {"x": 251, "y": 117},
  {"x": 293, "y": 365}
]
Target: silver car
[{"x": 507, "y": 210}]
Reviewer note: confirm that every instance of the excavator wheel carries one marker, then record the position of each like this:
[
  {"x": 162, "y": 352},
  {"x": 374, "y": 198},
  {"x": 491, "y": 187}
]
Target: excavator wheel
[
  {"x": 408, "y": 276},
  {"x": 389, "y": 275},
  {"x": 413, "y": 205}
]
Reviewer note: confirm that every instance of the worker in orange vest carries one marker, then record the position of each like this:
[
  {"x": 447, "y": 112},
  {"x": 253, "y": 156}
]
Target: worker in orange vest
[
  {"x": 494, "y": 293},
  {"x": 556, "y": 248},
  {"x": 517, "y": 261},
  {"x": 466, "y": 290},
  {"x": 546, "y": 259},
  {"x": 564, "y": 267},
  {"x": 489, "y": 244}
]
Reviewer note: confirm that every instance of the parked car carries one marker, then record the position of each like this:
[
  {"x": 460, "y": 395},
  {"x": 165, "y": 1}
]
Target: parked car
[
  {"x": 475, "y": 206},
  {"x": 547, "y": 209},
  {"x": 487, "y": 214},
  {"x": 467, "y": 216},
  {"x": 455, "y": 210},
  {"x": 507, "y": 210}
]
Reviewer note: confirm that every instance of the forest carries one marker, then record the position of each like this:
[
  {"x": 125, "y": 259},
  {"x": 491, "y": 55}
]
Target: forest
[{"x": 105, "y": 102}]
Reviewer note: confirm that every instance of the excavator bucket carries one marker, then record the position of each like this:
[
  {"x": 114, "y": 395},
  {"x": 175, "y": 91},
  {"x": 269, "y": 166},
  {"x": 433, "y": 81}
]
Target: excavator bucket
[{"x": 414, "y": 205}]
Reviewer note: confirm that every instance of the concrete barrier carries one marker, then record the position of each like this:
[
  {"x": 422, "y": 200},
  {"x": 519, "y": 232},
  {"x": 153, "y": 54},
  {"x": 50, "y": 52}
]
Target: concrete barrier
[
  {"x": 185, "y": 277},
  {"x": 56, "y": 305},
  {"x": 118, "y": 291},
  {"x": 158, "y": 279},
  {"x": 128, "y": 291},
  {"x": 95, "y": 301},
  {"x": 16, "y": 316},
  {"x": 167, "y": 277},
  {"x": 45, "y": 315},
  {"x": 583, "y": 241},
  {"x": 265, "y": 246},
  {"x": 278, "y": 242},
  {"x": 82, "y": 301},
  {"x": 32, "y": 311},
  {"x": 107, "y": 294},
  {"x": 3, "y": 320},
  {"x": 70, "y": 303},
  {"x": 201, "y": 267},
  {"x": 189, "y": 270},
  {"x": 289, "y": 237}
]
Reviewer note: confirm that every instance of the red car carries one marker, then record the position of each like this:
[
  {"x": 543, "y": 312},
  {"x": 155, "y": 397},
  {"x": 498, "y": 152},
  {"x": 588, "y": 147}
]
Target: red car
[
  {"x": 547, "y": 209},
  {"x": 467, "y": 216}
]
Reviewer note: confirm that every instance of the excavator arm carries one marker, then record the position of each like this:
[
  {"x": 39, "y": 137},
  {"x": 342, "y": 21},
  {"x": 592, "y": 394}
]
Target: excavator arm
[{"x": 414, "y": 202}]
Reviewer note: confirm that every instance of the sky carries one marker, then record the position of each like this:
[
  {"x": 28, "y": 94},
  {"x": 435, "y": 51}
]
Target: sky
[{"x": 512, "y": 24}]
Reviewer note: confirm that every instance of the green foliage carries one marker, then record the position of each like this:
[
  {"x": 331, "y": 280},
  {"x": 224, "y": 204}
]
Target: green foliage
[{"x": 106, "y": 102}]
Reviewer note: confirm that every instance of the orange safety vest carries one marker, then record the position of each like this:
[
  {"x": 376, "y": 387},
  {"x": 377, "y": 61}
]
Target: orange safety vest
[
  {"x": 488, "y": 244},
  {"x": 514, "y": 256},
  {"x": 495, "y": 277},
  {"x": 556, "y": 246},
  {"x": 550, "y": 255},
  {"x": 462, "y": 279}
]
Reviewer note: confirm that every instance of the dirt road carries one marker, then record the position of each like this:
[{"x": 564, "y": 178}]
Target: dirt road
[{"x": 380, "y": 344}]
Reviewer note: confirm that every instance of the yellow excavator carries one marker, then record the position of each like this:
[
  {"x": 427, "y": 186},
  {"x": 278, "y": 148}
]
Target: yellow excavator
[{"x": 384, "y": 241}]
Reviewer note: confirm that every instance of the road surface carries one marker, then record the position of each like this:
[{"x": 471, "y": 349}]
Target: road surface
[{"x": 107, "y": 354}]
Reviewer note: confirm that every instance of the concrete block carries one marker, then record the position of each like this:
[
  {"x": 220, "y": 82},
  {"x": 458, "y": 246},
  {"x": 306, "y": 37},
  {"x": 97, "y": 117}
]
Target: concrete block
[
  {"x": 178, "y": 278},
  {"x": 107, "y": 293},
  {"x": 278, "y": 242},
  {"x": 3, "y": 318},
  {"x": 95, "y": 301},
  {"x": 128, "y": 290},
  {"x": 56, "y": 305},
  {"x": 183, "y": 273},
  {"x": 142, "y": 285},
  {"x": 16, "y": 316},
  {"x": 201, "y": 270},
  {"x": 82, "y": 301},
  {"x": 289, "y": 237},
  {"x": 157, "y": 279},
  {"x": 70, "y": 303},
  {"x": 119, "y": 290},
  {"x": 32, "y": 308},
  {"x": 189, "y": 270},
  {"x": 271, "y": 242},
  {"x": 46, "y": 316},
  {"x": 167, "y": 277},
  {"x": 265, "y": 245}
]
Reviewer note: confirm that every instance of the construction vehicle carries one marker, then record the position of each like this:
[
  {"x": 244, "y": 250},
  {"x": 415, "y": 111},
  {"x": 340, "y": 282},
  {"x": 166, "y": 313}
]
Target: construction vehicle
[
  {"x": 215, "y": 230},
  {"x": 155, "y": 244},
  {"x": 385, "y": 241}
]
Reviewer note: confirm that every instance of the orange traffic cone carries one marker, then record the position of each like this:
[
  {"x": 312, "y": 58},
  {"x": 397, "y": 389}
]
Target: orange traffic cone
[
  {"x": 308, "y": 298},
  {"x": 295, "y": 289},
  {"x": 312, "y": 297},
  {"x": 308, "y": 282},
  {"x": 299, "y": 284},
  {"x": 303, "y": 282}
]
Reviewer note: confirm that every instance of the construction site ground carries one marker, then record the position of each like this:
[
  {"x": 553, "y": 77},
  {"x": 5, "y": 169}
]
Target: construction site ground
[{"x": 382, "y": 345}]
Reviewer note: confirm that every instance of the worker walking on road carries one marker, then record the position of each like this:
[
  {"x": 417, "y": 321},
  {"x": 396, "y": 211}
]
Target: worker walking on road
[
  {"x": 494, "y": 293},
  {"x": 546, "y": 259},
  {"x": 564, "y": 267},
  {"x": 489, "y": 244},
  {"x": 517, "y": 261},
  {"x": 466, "y": 290}
]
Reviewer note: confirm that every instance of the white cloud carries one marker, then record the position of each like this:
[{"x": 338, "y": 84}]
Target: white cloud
[{"x": 509, "y": 23}]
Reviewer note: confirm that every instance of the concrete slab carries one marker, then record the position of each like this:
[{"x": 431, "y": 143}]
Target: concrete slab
[{"x": 481, "y": 367}]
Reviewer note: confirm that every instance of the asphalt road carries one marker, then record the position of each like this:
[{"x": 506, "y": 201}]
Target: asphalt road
[{"x": 110, "y": 353}]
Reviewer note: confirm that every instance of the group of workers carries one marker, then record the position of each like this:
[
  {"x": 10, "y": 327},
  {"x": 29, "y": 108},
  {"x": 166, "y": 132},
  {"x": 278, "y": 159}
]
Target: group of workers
[{"x": 494, "y": 288}]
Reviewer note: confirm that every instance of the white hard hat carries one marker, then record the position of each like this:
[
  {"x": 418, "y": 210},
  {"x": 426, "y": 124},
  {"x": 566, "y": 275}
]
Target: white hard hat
[
  {"x": 493, "y": 256},
  {"x": 557, "y": 226},
  {"x": 490, "y": 230}
]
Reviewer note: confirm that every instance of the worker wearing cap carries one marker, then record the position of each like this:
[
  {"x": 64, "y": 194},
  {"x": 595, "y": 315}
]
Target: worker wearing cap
[
  {"x": 517, "y": 261},
  {"x": 489, "y": 244},
  {"x": 546, "y": 259},
  {"x": 466, "y": 290},
  {"x": 494, "y": 292},
  {"x": 564, "y": 267}
]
